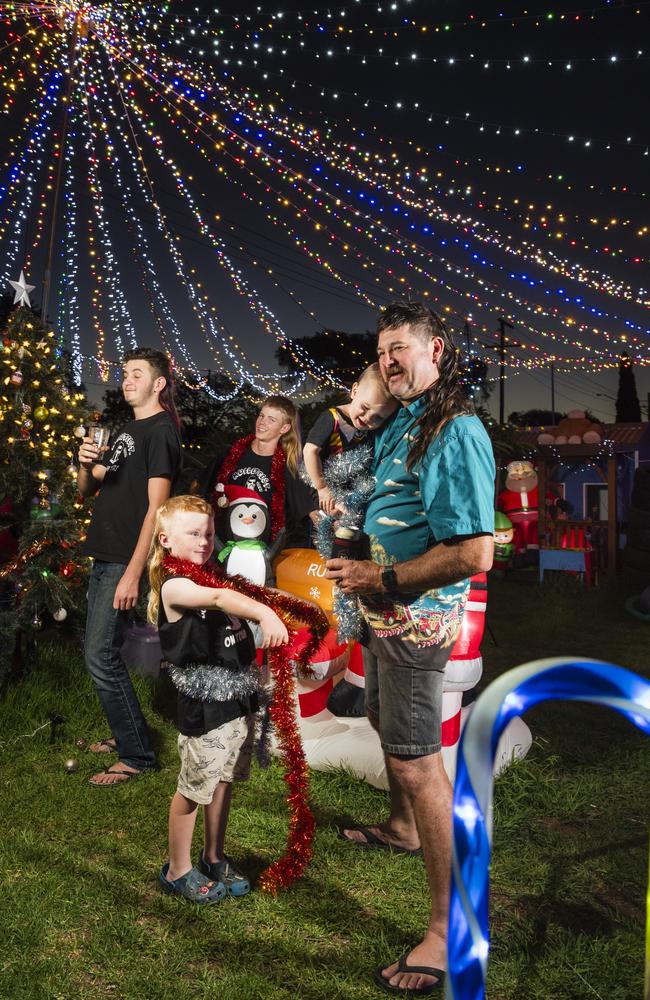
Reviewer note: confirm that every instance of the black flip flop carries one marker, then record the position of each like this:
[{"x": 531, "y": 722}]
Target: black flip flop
[
  {"x": 402, "y": 991},
  {"x": 373, "y": 842}
]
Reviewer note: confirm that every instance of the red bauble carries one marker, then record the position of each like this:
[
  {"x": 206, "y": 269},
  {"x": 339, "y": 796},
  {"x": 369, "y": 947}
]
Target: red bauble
[{"x": 67, "y": 569}]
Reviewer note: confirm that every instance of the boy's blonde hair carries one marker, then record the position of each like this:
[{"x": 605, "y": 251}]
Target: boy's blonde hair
[
  {"x": 373, "y": 373},
  {"x": 164, "y": 515}
]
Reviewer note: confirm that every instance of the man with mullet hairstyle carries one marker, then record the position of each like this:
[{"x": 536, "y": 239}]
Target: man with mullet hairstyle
[
  {"x": 430, "y": 523},
  {"x": 133, "y": 477}
]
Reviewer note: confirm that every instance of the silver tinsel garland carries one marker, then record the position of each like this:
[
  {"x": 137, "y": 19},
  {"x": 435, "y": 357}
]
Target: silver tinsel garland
[
  {"x": 212, "y": 682},
  {"x": 351, "y": 484}
]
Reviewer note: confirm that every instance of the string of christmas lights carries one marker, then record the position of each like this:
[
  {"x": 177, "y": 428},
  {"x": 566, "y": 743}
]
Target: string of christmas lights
[{"x": 314, "y": 185}]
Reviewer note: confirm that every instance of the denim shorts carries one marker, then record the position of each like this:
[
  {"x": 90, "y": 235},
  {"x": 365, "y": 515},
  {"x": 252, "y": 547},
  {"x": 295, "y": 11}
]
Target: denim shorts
[{"x": 404, "y": 693}]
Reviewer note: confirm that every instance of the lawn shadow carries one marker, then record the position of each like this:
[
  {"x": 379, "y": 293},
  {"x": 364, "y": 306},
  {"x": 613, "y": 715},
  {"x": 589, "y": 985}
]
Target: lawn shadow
[{"x": 547, "y": 909}]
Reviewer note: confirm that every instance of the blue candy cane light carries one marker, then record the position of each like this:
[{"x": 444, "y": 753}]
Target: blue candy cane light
[{"x": 512, "y": 694}]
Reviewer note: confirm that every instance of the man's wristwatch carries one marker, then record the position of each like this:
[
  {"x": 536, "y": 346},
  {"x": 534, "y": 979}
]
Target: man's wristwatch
[{"x": 389, "y": 579}]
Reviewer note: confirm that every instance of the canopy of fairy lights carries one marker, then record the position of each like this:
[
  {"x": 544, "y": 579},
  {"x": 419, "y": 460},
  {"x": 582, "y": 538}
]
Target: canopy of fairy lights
[{"x": 175, "y": 157}]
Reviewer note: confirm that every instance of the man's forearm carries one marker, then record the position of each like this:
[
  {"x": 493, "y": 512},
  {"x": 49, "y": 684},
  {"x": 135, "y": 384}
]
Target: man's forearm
[{"x": 444, "y": 564}]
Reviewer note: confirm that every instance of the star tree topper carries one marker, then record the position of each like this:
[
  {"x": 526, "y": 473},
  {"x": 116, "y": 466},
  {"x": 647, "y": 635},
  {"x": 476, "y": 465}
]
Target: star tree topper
[{"x": 21, "y": 291}]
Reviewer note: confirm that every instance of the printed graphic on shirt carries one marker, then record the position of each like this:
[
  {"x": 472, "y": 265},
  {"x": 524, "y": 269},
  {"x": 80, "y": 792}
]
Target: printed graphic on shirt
[
  {"x": 123, "y": 446},
  {"x": 235, "y": 633},
  {"x": 432, "y": 619},
  {"x": 252, "y": 478}
]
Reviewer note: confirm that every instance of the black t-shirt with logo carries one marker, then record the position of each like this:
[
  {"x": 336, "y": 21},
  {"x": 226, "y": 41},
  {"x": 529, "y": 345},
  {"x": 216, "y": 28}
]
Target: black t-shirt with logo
[
  {"x": 143, "y": 449},
  {"x": 254, "y": 472},
  {"x": 214, "y": 638}
]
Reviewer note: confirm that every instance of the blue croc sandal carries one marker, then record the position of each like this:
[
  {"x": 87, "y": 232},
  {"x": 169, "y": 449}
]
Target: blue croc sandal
[
  {"x": 193, "y": 886},
  {"x": 224, "y": 871}
]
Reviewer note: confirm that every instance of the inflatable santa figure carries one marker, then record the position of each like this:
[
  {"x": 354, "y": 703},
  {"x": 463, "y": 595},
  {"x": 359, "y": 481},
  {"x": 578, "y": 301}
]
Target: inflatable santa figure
[
  {"x": 519, "y": 501},
  {"x": 342, "y": 740}
]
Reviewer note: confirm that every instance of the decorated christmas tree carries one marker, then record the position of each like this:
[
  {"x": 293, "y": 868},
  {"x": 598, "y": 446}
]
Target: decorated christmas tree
[{"x": 41, "y": 516}]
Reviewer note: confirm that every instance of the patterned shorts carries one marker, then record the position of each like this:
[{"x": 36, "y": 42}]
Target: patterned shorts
[{"x": 223, "y": 754}]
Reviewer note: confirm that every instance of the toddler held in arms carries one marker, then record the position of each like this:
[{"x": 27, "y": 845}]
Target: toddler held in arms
[{"x": 347, "y": 426}]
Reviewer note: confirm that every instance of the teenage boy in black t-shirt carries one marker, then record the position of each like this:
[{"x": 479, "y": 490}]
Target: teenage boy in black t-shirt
[
  {"x": 134, "y": 476},
  {"x": 267, "y": 462}
]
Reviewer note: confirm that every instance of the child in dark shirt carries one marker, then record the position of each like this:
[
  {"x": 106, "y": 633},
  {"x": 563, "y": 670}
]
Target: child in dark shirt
[
  {"x": 211, "y": 654},
  {"x": 347, "y": 426}
]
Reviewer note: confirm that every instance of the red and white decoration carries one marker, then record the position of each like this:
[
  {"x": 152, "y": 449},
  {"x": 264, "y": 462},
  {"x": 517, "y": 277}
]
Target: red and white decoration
[{"x": 351, "y": 743}]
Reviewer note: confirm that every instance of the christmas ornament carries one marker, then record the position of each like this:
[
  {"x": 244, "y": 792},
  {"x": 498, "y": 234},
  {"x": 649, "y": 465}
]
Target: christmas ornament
[
  {"x": 67, "y": 569},
  {"x": 43, "y": 490},
  {"x": 80, "y": 431},
  {"x": 80, "y": 743},
  {"x": 71, "y": 765},
  {"x": 27, "y": 425},
  {"x": 26, "y": 408},
  {"x": 16, "y": 378},
  {"x": 41, "y": 413},
  {"x": 21, "y": 291},
  {"x": 36, "y": 622},
  {"x": 286, "y": 870},
  {"x": 60, "y": 615}
]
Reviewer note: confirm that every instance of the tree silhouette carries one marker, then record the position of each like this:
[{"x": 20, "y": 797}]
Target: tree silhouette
[{"x": 628, "y": 410}]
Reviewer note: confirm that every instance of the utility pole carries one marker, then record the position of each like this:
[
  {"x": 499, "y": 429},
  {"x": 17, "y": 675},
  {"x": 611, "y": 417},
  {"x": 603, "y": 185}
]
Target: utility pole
[
  {"x": 553, "y": 390},
  {"x": 72, "y": 65},
  {"x": 503, "y": 323}
]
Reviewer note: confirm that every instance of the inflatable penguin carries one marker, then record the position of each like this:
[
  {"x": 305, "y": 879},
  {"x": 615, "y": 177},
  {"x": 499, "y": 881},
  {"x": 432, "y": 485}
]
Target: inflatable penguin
[{"x": 245, "y": 526}]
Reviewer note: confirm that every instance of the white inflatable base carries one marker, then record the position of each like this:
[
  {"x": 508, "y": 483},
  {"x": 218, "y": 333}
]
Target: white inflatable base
[
  {"x": 516, "y": 740},
  {"x": 352, "y": 745}
]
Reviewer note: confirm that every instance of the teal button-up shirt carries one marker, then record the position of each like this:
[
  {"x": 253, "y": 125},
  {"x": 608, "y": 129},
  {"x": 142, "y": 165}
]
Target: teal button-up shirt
[{"x": 450, "y": 493}]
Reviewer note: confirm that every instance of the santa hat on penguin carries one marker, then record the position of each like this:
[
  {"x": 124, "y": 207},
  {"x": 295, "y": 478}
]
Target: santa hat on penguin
[{"x": 246, "y": 513}]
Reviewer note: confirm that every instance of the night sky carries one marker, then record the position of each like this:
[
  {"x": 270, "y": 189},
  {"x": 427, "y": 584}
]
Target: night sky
[{"x": 426, "y": 89}]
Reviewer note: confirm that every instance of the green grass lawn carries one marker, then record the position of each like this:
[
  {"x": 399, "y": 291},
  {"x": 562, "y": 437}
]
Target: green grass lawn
[{"x": 81, "y": 916}]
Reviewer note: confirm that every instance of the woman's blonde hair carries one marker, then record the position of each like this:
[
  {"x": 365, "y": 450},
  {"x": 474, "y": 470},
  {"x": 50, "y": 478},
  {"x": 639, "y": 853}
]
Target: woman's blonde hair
[
  {"x": 175, "y": 505},
  {"x": 290, "y": 442}
]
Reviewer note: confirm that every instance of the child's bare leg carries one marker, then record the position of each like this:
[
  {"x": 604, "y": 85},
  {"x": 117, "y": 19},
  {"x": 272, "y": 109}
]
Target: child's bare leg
[
  {"x": 182, "y": 817},
  {"x": 215, "y": 820}
]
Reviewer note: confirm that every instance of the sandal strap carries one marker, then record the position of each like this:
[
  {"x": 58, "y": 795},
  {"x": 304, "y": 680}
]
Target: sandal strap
[{"x": 423, "y": 970}]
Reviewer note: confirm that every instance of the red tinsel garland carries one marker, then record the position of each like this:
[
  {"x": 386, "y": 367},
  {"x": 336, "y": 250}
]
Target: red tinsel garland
[
  {"x": 23, "y": 557},
  {"x": 278, "y": 472},
  {"x": 282, "y": 873}
]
